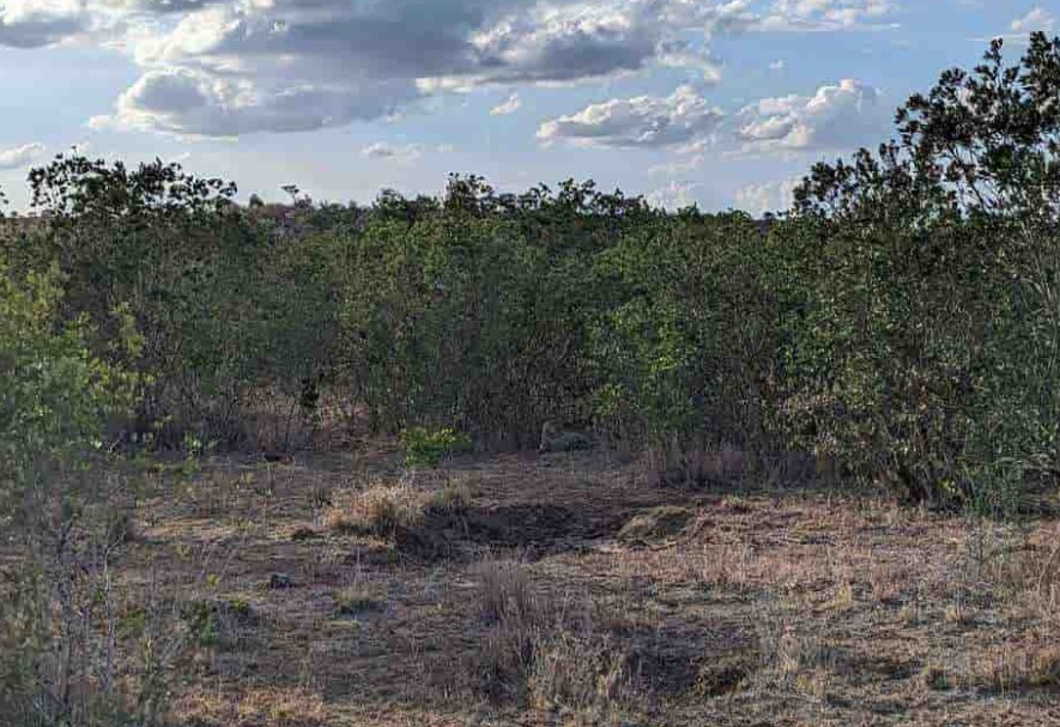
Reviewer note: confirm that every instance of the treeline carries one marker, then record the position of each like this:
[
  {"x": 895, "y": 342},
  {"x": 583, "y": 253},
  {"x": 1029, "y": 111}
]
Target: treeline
[{"x": 902, "y": 318}]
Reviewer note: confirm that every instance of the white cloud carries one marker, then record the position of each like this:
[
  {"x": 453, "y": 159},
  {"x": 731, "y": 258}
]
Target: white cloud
[
  {"x": 798, "y": 15},
  {"x": 769, "y": 197},
  {"x": 510, "y": 106},
  {"x": 230, "y": 67},
  {"x": 566, "y": 42},
  {"x": 194, "y": 102},
  {"x": 787, "y": 15},
  {"x": 777, "y": 65},
  {"x": 675, "y": 195},
  {"x": 735, "y": 16},
  {"x": 689, "y": 55},
  {"x": 406, "y": 154},
  {"x": 836, "y": 117},
  {"x": 642, "y": 121},
  {"x": 842, "y": 116},
  {"x": 1036, "y": 19},
  {"x": 21, "y": 156},
  {"x": 401, "y": 154},
  {"x": 678, "y": 167},
  {"x": 34, "y": 23},
  {"x": 239, "y": 66}
]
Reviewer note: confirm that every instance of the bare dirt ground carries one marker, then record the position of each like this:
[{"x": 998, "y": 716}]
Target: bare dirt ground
[{"x": 565, "y": 589}]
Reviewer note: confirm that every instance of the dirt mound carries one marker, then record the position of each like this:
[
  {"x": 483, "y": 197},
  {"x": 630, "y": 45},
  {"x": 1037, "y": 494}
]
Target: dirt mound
[{"x": 659, "y": 523}]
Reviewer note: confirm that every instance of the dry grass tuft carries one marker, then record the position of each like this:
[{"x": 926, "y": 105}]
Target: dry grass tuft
[
  {"x": 1016, "y": 667},
  {"x": 1023, "y": 569},
  {"x": 549, "y": 655},
  {"x": 359, "y": 598},
  {"x": 724, "y": 676},
  {"x": 506, "y": 594},
  {"x": 454, "y": 496},
  {"x": 934, "y": 677},
  {"x": 380, "y": 510},
  {"x": 582, "y": 675},
  {"x": 888, "y": 581},
  {"x": 957, "y": 613},
  {"x": 273, "y": 706},
  {"x": 659, "y": 523},
  {"x": 385, "y": 508},
  {"x": 843, "y": 599}
]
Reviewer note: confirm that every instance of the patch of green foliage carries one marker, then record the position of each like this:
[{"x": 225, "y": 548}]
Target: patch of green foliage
[
  {"x": 927, "y": 348},
  {"x": 56, "y": 393},
  {"x": 430, "y": 447},
  {"x": 60, "y": 388},
  {"x": 902, "y": 318}
]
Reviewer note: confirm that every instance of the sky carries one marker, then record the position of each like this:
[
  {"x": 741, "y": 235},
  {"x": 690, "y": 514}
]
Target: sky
[{"x": 721, "y": 103}]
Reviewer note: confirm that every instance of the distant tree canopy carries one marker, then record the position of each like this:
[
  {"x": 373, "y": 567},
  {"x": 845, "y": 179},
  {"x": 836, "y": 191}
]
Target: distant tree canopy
[{"x": 903, "y": 316}]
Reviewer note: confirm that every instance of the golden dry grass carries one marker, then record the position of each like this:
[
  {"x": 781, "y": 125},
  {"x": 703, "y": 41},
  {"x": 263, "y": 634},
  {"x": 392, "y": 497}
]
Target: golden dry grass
[{"x": 797, "y": 607}]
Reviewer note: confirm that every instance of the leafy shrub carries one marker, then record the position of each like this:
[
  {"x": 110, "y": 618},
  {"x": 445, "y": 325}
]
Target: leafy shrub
[
  {"x": 923, "y": 355},
  {"x": 430, "y": 447},
  {"x": 56, "y": 394},
  {"x": 207, "y": 286},
  {"x": 901, "y": 319},
  {"x": 59, "y": 639}
]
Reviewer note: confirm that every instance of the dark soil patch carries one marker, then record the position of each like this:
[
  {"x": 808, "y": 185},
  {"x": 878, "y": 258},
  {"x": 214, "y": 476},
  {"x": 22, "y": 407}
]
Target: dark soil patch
[
  {"x": 682, "y": 657},
  {"x": 535, "y": 529}
]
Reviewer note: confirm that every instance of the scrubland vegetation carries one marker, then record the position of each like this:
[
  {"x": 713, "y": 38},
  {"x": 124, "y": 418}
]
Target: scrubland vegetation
[{"x": 283, "y": 464}]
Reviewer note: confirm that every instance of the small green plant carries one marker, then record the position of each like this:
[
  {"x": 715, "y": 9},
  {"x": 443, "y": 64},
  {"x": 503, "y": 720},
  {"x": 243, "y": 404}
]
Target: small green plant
[
  {"x": 240, "y": 607},
  {"x": 430, "y": 447},
  {"x": 201, "y": 622}
]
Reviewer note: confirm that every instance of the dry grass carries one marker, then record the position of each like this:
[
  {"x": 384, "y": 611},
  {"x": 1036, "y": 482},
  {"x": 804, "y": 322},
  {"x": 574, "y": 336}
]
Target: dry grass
[
  {"x": 379, "y": 510},
  {"x": 269, "y": 706},
  {"x": 506, "y": 594},
  {"x": 582, "y": 675},
  {"x": 383, "y": 507},
  {"x": 359, "y": 598},
  {"x": 791, "y": 607},
  {"x": 455, "y": 495},
  {"x": 549, "y": 653}
]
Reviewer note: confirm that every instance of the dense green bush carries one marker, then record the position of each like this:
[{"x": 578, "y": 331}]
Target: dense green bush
[
  {"x": 60, "y": 516},
  {"x": 902, "y": 319},
  {"x": 56, "y": 394},
  {"x": 686, "y": 343},
  {"x": 476, "y": 313},
  {"x": 927, "y": 358},
  {"x": 227, "y": 303}
]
